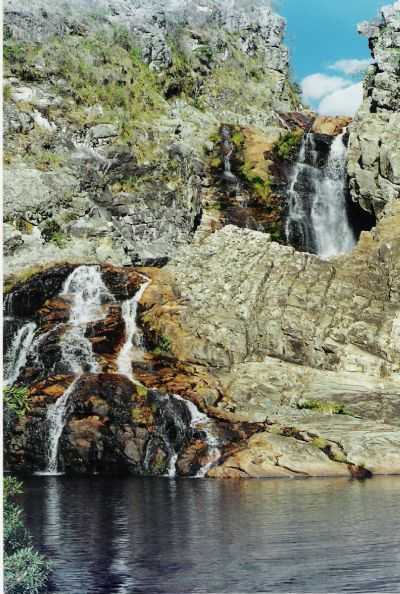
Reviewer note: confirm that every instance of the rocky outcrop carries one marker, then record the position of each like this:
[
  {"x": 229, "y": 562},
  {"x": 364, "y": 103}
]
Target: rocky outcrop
[
  {"x": 104, "y": 152},
  {"x": 293, "y": 340},
  {"x": 374, "y": 153}
]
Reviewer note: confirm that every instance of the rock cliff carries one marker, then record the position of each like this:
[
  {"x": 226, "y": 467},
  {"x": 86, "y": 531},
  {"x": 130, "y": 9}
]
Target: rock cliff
[
  {"x": 374, "y": 154},
  {"x": 109, "y": 107}
]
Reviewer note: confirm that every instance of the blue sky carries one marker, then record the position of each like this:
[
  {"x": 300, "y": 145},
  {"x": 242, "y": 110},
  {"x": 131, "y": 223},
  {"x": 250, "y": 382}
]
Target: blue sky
[{"x": 321, "y": 33}]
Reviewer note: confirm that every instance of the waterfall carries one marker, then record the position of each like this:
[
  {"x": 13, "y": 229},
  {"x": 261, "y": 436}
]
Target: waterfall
[
  {"x": 88, "y": 293},
  {"x": 16, "y": 357},
  {"x": 317, "y": 219},
  {"x": 201, "y": 421},
  {"x": 133, "y": 335},
  {"x": 88, "y": 296},
  {"x": 56, "y": 417},
  {"x": 227, "y": 151}
]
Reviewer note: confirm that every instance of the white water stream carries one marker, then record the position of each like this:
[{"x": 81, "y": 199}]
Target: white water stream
[
  {"x": 133, "y": 347},
  {"x": 16, "y": 357},
  {"x": 318, "y": 215},
  {"x": 202, "y": 422},
  {"x": 88, "y": 294}
]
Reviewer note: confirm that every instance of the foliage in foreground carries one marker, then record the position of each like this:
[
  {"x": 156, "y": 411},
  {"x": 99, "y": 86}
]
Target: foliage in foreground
[{"x": 25, "y": 570}]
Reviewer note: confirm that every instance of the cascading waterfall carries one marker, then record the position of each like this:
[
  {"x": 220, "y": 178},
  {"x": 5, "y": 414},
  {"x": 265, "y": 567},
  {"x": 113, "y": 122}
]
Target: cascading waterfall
[
  {"x": 56, "y": 417},
  {"x": 16, "y": 357},
  {"x": 133, "y": 338},
  {"x": 200, "y": 421},
  {"x": 317, "y": 219},
  {"x": 89, "y": 294},
  {"x": 89, "y": 297}
]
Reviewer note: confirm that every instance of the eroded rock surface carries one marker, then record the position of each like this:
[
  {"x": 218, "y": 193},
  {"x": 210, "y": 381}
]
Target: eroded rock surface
[
  {"x": 374, "y": 155},
  {"x": 293, "y": 340}
]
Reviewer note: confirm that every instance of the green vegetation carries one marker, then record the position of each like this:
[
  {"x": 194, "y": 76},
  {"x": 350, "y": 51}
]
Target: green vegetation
[
  {"x": 289, "y": 144},
  {"x": 180, "y": 78},
  {"x": 7, "y": 92},
  {"x": 100, "y": 73},
  {"x": 25, "y": 570},
  {"x": 163, "y": 346},
  {"x": 102, "y": 79},
  {"x": 331, "y": 408},
  {"x": 47, "y": 160},
  {"x": 59, "y": 239},
  {"x": 261, "y": 187},
  {"x": 141, "y": 390},
  {"x": 320, "y": 442},
  {"x": 15, "y": 399}
]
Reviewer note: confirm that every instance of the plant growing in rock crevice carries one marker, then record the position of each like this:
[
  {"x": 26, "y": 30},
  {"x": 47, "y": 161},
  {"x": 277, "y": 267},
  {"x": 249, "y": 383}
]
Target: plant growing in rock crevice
[
  {"x": 326, "y": 407},
  {"x": 287, "y": 147}
]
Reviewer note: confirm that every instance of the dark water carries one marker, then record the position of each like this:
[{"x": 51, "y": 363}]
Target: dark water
[{"x": 121, "y": 536}]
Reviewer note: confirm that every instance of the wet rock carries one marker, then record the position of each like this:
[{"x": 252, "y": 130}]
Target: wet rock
[
  {"x": 28, "y": 297},
  {"x": 106, "y": 335},
  {"x": 192, "y": 458},
  {"x": 122, "y": 282},
  {"x": 54, "y": 311},
  {"x": 113, "y": 426}
]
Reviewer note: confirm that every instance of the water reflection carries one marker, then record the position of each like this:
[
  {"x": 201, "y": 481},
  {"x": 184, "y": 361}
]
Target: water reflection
[{"x": 121, "y": 536}]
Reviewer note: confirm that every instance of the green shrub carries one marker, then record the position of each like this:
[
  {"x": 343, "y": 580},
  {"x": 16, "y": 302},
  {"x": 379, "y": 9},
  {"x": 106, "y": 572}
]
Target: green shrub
[
  {"x": 47, "y": 160},
  {"x": 59, "y": 239},
  {"x": 261, "y": 187},
  {"x": 288, "y": 145},
  {"x": 7, "y": 92},
  {"x": 15, "y": 399},
  {"x": 15, "y": 535},
  {"x": 332, "y": 408},
  {"x": 163, "y": 345},
  {"x": 25, "y": 572},
  {"x": 14, "y": 52}
]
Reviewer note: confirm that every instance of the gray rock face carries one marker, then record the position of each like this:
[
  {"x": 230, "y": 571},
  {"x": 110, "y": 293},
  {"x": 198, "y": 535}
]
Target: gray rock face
[
  {"x": 86, "y": 170},
  {"x": 374, "y": 148},
  {"x": 311, "y": 347},
  {"x": 153, "y": 21}
]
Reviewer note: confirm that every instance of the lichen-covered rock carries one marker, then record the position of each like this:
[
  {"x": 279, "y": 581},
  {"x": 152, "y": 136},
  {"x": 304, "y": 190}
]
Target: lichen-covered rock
[{"x": 374, "y": 148}]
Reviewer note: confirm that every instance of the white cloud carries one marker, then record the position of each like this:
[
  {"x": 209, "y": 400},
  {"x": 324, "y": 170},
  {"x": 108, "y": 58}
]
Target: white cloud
[
  {"x": 317, "y": 86},
  {"x": 350, "y": 67},
  {"x": 342, "y": 102}
]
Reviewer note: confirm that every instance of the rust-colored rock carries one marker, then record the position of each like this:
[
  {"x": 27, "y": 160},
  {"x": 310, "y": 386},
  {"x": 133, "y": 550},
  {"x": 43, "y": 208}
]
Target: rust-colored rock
[
  {"x": 192, "y": 458},
  {"x": 54, "y": 311},
  {"x": 50, "y": 389},
  {"x": 106, "y": 335},
  {"x": 123, "y": 283},
  {"x": 294, "y": 120},
  {"x": 192, "y": 382},
  {"x": 329, "y": 125}
]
